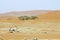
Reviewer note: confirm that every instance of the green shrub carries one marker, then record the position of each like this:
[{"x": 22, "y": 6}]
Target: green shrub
[
  {"x": 24, "y": 18},
  {"x": 27, "y": 18},
  {"x": 33, "y": 17}
]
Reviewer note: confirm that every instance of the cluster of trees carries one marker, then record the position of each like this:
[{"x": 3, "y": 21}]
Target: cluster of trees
[{"x": 27, "y": 17}]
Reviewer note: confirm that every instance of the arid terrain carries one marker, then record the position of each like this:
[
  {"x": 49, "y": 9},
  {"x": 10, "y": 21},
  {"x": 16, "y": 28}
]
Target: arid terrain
[{"x": 45, "y": 27}]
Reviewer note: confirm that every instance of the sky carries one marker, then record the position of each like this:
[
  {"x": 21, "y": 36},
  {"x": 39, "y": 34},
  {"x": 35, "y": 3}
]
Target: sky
[{"x": 25, "y": 5}]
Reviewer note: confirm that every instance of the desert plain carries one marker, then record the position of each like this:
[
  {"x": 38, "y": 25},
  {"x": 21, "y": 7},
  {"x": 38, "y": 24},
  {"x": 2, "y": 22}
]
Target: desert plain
[{"x": 45, "y": 27}]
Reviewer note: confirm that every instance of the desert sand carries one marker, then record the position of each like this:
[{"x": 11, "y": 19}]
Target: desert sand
[{"x": 45, "y": 27}]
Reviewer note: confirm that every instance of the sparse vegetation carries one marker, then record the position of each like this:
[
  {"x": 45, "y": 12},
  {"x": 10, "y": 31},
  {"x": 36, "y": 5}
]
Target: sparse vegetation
[
  {"x": 45, "y": 32},
  {"x": 27, "y": 18},
  {"x": 33, "y": 17},
  {"x": 24, "y": 18}
]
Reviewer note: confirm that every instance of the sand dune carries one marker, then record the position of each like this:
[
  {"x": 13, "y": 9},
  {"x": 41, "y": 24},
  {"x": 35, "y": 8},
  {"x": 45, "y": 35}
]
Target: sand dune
[{"x": 51, "y": 15}]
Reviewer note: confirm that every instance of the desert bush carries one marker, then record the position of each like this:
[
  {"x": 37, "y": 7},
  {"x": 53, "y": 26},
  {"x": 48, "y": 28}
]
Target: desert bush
[
  {"x": 24, "y": 18},
  {"x": 27, "y": 18},
  {"x": 45, "y": 32},
  {"x": 33, "y": 17}
]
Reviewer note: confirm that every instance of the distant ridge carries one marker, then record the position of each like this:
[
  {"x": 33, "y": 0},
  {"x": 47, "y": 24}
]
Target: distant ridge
[{"x": 42, "y": 14}]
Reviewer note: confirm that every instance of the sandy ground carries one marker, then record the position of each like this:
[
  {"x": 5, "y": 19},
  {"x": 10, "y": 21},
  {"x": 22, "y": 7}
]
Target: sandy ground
[
  {"x": 45, "y": 27},
  {"x": 29, "y": 31}
]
